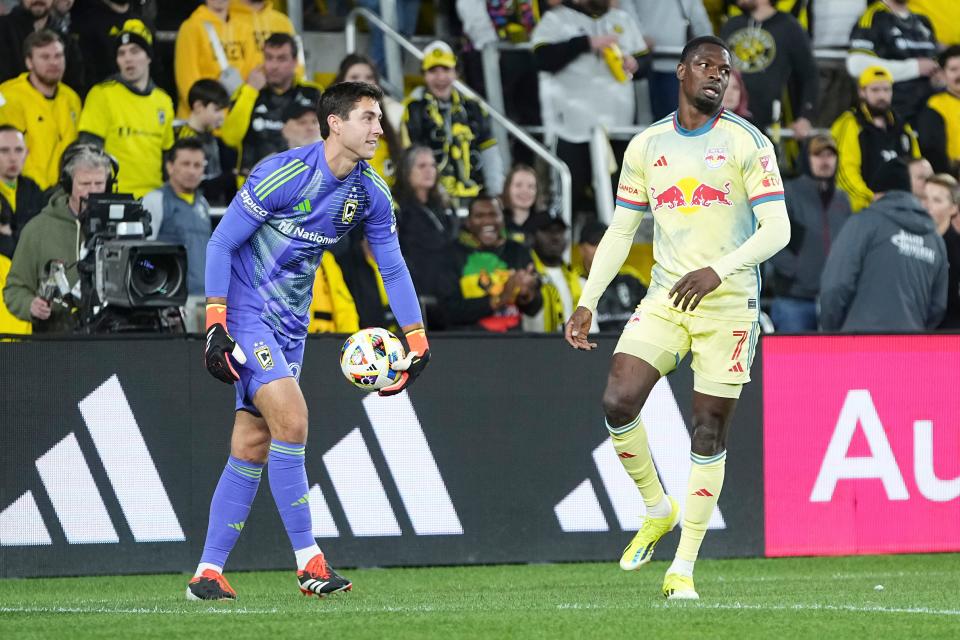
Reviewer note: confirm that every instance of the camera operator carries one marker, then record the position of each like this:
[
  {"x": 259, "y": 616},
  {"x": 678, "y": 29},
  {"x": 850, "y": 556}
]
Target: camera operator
[{"x": 55, "y": 234}]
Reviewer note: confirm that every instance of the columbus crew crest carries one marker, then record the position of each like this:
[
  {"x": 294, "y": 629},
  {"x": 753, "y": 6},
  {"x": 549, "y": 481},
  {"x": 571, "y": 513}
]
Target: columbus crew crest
[
  {"x": 264, "y": 357},
  {"x": 349, "y": 210}
]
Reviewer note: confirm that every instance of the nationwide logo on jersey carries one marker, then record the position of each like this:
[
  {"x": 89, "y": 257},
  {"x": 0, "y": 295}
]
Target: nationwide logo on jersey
[
  {"x": 689, "y": 194},
  {"x": 349, "y": 209},
  {"x": 715, "y": 157}
]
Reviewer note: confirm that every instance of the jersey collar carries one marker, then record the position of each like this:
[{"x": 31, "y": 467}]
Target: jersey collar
[{"x": 702, "y": 129}]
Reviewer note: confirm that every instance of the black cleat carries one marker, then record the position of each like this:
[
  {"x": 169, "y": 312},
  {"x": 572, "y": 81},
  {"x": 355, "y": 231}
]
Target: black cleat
[
  {"x": 320, "y": 579},
  {"x": 210, "y": 585}
]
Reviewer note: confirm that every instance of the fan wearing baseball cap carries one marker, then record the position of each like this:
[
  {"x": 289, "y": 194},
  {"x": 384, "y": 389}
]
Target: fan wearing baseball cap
[
  {"x": 454, "y": 126},
  {"x": 869, "y": 135}
]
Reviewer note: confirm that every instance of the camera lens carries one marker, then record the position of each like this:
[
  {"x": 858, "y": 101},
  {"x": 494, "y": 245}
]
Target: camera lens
[{"x": 154, "y": 275}]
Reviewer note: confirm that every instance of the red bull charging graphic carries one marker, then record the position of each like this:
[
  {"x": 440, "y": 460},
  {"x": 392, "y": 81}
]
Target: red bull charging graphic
[{"x": 689, "y": 195}]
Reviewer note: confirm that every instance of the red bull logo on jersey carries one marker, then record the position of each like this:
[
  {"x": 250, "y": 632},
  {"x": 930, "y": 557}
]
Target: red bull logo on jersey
[
  {"x": 671, "y": 198},
  {"x": 705, "y": 195},
  {"x": 689, "y": 195},
  {"x": 715, "y": 157}
]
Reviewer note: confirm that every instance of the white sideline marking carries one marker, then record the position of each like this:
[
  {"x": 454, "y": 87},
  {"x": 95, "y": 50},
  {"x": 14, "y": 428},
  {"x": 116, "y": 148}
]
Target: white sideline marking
[
  {"x": 132, "y": 611},
  {"x": 736, "y": 606},
  {"x": 795, "y": 607}
]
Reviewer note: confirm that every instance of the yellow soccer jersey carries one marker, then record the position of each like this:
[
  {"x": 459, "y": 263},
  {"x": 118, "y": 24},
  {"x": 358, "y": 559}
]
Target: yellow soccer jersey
[
  {"x": 707, "y": 190},
  {"x": 136, "y": 129},
  {"x": 48, "y": 125}
]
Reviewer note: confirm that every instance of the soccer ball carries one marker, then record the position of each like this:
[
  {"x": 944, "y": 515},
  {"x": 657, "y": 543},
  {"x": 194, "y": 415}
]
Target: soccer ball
[{"x": 366, "y": 356}]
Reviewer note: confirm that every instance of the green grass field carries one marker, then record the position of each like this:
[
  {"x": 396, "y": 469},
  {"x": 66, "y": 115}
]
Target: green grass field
[{"x": 824, "y": 598}]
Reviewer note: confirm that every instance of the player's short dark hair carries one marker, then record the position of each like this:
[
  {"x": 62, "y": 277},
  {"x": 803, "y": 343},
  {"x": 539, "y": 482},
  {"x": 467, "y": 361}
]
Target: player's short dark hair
[
  {"x": 39, "y": 39},
  {"x": 691, "y": 47},
  {"x": 188, "y": 144},
  {"x": 279, "y": 39},
  {"x": 208, "y": 91},
  {"x": 953, "y": 51},
  {"x": 592, "y": 232},
  {"x": 340, "y": 100},
  {"x": 9, "y": 127}
]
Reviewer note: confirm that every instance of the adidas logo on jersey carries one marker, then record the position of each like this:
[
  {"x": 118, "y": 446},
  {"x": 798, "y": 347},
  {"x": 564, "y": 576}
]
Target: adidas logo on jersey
[
  {"x": 661, "y": 162},
  {"x": 580, "y": 510}
]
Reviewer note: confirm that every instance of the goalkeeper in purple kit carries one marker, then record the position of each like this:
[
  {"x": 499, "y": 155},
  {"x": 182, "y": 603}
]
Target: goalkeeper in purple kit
[{"x": 261, "y": 263}]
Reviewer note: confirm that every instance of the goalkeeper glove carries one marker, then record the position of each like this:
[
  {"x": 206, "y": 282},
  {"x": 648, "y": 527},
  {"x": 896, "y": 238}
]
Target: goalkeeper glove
[
  {"x": 412, "y": 365},
  {"x": 220, "y": 346}
]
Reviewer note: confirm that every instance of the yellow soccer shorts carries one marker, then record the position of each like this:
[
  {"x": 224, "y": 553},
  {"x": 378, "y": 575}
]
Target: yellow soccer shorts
[{"x": 723, "y": 350}]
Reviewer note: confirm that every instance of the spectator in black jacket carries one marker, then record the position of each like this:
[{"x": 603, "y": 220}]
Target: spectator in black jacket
[
  {"x": 97, "y": 23},
  {"x": 425, "y": 224},
  {"x": 890, "y": 35},
  {"x": 817, "y": 210},
  {"x": 939, "y": 122},
  {"x": 519, "y": 200},
  {"x": 30, "y": 16},
  {"x": 942, "y": 200},
  {"x": 488, "y": 280},
  {"x": 887, "y": 270},
  {"x": 20, "y": 197},
  {"x": 773, "y": 53}
]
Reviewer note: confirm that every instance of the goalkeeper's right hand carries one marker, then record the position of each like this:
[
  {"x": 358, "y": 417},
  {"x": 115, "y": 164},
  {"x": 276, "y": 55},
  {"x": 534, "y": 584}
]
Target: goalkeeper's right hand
[{"x": 220, "y": 346}]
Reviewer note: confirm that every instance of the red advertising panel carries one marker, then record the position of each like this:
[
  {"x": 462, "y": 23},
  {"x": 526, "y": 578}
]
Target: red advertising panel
[{"x": 861, "y": 444}]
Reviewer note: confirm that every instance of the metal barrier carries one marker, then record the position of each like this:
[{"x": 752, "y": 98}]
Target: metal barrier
[{"x": 563, "y": 172}]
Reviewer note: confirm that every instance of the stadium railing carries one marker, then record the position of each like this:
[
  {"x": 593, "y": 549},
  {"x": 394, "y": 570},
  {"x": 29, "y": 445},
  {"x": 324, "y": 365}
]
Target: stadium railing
[{"x": 396, "y": 82}]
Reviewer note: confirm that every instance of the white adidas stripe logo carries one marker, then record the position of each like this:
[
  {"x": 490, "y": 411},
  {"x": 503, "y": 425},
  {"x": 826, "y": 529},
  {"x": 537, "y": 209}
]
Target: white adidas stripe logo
[
  {"x": 580, "y": 510},
  {"x": 79, "y": 506},
  {"x": 360, "y": 491},
  {"x": 73, "y": 492}
]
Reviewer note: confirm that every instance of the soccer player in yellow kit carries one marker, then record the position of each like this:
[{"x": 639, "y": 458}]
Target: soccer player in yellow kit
[{"x": 712, "y": 183}]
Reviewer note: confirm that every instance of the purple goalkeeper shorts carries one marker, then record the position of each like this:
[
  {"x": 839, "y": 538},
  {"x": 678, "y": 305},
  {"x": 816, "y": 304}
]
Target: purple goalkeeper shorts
[{"x": 270, "y": 356}]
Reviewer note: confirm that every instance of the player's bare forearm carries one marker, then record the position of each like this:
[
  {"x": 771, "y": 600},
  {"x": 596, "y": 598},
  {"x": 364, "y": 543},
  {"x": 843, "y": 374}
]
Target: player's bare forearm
[{"x": 577, "y": 329}]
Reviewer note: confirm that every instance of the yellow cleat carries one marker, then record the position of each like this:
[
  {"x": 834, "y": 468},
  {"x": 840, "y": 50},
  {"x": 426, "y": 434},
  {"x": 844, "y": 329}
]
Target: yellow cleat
[
  {"x": 640, "y": 550},
  {"x": 678, "y": 587}
]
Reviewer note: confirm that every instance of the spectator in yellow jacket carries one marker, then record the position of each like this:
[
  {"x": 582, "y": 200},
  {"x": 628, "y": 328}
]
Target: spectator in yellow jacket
[
  {"x": 332, "y": 309},
  {"x": 260, "y": 20},
  {"x": 42, "y": 107},
  {"x": 870, "y": 135},
  {"x": 212, "y": 43},
  {"x": 10, "y": 323}
]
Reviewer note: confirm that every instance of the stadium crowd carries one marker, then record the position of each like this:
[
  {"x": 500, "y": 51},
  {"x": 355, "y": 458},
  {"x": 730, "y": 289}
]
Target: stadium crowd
[{"x": 871, "y": 139}]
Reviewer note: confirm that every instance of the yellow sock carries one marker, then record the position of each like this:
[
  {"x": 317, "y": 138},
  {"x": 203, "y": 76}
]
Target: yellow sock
[
  {"x": 630, "y": 441},
  {"x": 703, "y": 490}
]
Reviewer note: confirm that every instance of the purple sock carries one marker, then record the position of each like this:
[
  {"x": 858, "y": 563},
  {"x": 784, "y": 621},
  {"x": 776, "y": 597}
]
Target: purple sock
[
  {"x": 229, "y": 509},
  {"x": 288, "y": 484}
]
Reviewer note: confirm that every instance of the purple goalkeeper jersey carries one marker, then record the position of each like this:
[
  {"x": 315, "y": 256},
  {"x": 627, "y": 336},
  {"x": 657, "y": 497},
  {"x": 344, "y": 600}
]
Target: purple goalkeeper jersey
[{"x": 264, "y": 254}]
